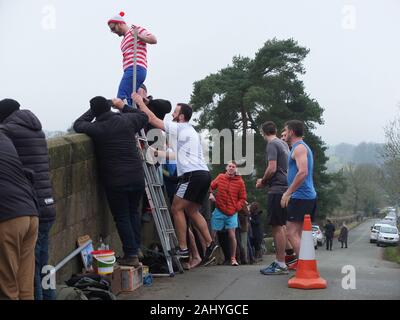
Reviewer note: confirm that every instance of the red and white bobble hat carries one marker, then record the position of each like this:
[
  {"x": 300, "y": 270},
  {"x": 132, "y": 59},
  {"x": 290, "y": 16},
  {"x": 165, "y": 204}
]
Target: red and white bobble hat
[{"x": 118, "y": 18}]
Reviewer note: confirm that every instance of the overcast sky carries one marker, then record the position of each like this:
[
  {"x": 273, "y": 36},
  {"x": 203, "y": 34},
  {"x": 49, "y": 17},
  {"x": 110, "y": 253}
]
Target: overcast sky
[{"x": 56, "y": 55}]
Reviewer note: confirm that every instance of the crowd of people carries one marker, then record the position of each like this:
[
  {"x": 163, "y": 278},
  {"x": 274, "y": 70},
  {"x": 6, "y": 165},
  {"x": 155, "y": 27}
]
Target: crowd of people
[
  {"x": 27, "y": 209},
  {"x": 234, "y": 223}
]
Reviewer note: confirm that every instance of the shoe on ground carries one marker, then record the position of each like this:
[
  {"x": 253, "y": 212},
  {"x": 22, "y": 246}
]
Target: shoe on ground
[
  {"x": 132, "y": 261},
  {"x": 210, "y": 252},
  {"x": 234, "y": 262},
  {"x": 293, "y": 265},
  {"x": 213, "y": 262},
  {"x": 274, "y": 269}
]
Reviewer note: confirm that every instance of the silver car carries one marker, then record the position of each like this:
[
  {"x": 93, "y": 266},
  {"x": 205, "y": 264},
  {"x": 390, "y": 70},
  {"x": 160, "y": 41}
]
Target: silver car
[
  {"x": 390, "y": 222},
  {"x": 388, "y": 235},
  {"x": 318, "y": 234},
  {"x": 375, "y": 231}
]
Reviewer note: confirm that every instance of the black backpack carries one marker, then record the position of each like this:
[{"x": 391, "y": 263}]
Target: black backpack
[{"x": 155, "y": 260}]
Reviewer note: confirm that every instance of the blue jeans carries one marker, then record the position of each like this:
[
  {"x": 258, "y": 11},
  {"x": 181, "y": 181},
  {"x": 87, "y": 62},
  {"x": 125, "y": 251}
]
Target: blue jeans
[
  {"x": 41, "y": 260},
  {"x": 126, "y": 85},
  {"x": 124, "y": 202}
]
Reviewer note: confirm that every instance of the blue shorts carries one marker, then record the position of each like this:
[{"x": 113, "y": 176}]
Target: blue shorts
[
  {"x": 126, "y": 85},
  {"x": 221, "y": 221}
]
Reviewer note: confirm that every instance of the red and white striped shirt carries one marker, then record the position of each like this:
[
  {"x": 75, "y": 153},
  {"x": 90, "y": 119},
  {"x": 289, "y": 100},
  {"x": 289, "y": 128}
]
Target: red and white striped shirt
[{"x": 127, "y": 48}]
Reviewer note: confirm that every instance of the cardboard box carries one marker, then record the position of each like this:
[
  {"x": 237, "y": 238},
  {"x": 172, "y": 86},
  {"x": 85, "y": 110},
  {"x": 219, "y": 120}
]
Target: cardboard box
[{"x": 131, "y": 278}]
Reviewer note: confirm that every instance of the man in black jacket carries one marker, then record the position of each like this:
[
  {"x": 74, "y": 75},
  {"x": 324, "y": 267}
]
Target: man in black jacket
[
  {"x": 329, "y": 234},
  {"x": 18, "y": 226},
  {"x": 120, "y": 166},
  {"x": 25, "y": 131}
]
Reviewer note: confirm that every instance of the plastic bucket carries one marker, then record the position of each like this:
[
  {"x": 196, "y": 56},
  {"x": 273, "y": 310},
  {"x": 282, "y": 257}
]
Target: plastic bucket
[{"x": 104, "y": 261}]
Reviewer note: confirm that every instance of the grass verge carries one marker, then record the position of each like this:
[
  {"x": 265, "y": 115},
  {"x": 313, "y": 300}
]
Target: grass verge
[{"x": 392, "y": 254}]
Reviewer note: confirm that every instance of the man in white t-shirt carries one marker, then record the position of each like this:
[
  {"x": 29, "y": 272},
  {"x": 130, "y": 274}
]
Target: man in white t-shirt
[{"x": 194, "y": 176}]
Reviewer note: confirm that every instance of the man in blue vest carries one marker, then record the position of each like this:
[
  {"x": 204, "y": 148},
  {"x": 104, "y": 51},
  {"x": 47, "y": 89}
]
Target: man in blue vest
[{"x": 300, "y": 198}]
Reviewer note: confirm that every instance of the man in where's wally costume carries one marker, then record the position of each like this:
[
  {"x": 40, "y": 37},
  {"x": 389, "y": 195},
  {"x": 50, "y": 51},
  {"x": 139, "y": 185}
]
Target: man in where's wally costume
[{"x": 118, "y": 26}]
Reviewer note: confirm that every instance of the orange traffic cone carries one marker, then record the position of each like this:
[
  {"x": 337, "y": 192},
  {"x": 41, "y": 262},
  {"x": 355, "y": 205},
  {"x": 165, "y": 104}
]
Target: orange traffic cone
[{"x": 307, "y": 275}]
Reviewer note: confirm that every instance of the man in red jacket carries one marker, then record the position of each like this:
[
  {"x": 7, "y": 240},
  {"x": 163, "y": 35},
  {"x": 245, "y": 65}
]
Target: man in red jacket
[{"x": 230, "y": 198}]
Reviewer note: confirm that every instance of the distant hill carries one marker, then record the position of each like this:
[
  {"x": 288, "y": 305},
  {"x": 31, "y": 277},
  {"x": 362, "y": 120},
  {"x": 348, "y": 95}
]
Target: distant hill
[{"x": 344, "y": 153}]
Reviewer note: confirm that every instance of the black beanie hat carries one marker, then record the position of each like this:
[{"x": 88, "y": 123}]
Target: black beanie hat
[
  {"x": 7, "y": 106},
  {"x": 99, "y": 105}
]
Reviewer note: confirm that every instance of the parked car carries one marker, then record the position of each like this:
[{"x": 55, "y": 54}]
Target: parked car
[
  {"x": 317, "y": 233},
  {"x": 392, "y": 211},
  {"x": 390, "y": 222},
  {"x": 388, "y": 235},
  {"x": 315, "y": 241},
  {"x": 392, "y": 214},
  {"x": 391, "y": 218},
  {"x": 375, "y": 230}
]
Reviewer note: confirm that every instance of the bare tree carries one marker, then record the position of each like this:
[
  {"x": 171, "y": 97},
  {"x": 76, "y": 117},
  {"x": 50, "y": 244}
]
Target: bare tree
[
  {"x": 391, "y": 155},
  {"x": 392, "y": 134},
  {"x": 364, "y": 192}
]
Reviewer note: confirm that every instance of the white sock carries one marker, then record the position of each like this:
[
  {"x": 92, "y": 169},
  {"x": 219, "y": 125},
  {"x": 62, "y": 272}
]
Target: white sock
[{"x": 281, "y": 264}]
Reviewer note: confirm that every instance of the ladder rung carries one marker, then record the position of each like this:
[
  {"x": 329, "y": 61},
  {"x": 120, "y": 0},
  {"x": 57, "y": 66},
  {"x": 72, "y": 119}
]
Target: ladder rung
[{"x": 161, "y": 208}]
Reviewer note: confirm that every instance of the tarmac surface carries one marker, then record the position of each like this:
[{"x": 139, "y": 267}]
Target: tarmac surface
[{"x": 375, "y": 278}]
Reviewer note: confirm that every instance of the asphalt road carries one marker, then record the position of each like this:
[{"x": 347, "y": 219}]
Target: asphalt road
[{"x": 374, "y": 278}]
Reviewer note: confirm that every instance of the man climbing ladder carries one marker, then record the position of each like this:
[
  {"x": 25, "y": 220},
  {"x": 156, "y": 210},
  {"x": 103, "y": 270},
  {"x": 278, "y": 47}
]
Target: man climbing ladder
[{"x": 118, "y": 26}]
